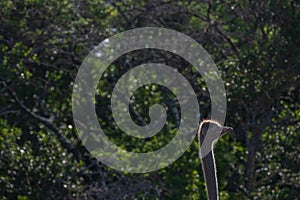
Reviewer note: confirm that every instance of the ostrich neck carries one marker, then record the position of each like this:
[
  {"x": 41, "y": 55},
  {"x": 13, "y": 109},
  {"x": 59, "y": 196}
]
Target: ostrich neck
[
  {"x": 208, "y": 161},
  {"x": 209, "y": 170}
]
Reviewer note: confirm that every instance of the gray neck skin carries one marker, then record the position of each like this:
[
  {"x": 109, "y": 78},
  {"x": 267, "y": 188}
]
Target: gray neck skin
[
  {"x": 209, "y": 171},
  {"x": 209, "y": 166}
]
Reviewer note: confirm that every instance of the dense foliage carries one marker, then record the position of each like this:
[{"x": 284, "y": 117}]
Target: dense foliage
[{"x": 255, "y": 45}]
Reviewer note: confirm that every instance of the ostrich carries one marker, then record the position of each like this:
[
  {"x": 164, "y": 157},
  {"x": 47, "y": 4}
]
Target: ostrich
[{"x": 208, "y": 161}]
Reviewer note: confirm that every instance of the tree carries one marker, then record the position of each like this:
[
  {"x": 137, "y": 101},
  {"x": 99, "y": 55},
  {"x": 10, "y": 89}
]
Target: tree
[{"x": 254, "y": 44}]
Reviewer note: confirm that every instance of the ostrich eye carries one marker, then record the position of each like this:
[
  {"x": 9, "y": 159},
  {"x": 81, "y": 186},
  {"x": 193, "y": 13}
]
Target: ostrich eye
[{"x": 226, "y": 129}]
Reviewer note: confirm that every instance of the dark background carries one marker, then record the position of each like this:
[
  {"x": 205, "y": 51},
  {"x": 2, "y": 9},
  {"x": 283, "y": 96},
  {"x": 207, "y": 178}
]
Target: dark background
[{"x": 255, "y": 45}]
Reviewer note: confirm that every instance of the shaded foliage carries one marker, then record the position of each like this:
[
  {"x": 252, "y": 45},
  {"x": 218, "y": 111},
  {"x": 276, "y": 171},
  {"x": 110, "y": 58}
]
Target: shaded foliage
[{"x": 254, "y": 45}]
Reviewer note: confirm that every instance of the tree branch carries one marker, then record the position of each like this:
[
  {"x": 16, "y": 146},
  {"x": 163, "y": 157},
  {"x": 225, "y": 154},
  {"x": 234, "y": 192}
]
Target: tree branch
[{"x": 48, "y": 122}]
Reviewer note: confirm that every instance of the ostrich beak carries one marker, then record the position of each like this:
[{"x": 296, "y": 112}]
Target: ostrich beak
[{"x": 226, "y": 129}]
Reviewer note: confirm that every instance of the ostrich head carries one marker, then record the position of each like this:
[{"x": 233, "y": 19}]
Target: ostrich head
[{"x": 213, "y": 130}]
